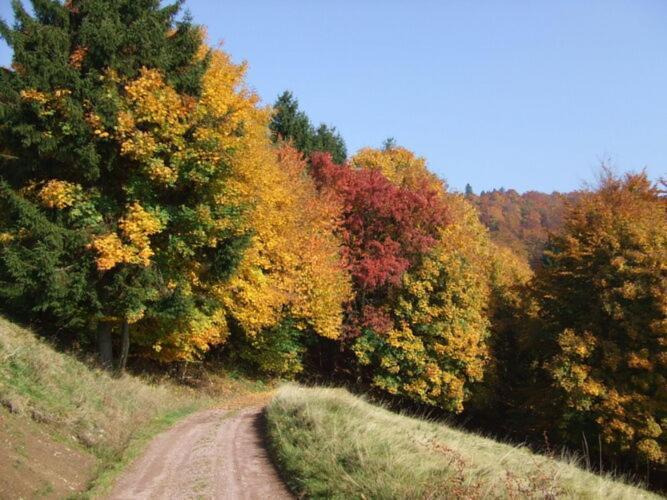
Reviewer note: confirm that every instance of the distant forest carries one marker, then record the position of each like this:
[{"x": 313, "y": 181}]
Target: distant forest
[{"x": 521, "y": 222}]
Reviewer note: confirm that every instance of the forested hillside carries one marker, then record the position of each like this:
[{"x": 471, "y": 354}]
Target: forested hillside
[
  {"x": 522, "y": 222},
  {"x": 154, "y": 211}
]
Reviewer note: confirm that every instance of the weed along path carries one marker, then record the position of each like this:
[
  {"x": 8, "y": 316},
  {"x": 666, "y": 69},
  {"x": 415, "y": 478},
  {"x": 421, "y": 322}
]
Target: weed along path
[{"x": 211, "y": 454}]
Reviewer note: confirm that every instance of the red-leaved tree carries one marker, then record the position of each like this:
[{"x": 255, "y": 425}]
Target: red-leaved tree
[{"x": 384, "y": 228}]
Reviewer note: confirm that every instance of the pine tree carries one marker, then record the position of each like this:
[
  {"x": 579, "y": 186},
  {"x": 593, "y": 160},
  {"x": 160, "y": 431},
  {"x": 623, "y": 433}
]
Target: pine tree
[
  {"x": 388, "y": 144},
  {"x": 327, "y": 139},
  {"x": 115, "y": 171},
  {"x": 291, "y": 124}
]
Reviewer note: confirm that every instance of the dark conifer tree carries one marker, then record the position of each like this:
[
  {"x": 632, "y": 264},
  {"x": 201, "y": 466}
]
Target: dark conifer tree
[
  {"x": 70, "y": 63},
  {"x": 292, "y": 124},
  {"x": 327, "y": 139}
]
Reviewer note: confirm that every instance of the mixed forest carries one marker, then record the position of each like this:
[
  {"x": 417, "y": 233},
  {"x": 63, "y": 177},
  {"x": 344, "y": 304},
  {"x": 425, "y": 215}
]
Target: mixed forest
[{"x": 152, "y": 209}]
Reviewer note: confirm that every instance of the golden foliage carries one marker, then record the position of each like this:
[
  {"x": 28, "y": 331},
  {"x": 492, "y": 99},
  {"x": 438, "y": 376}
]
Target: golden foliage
[
  {"x": 34, "y": 96},
  {"x": 59, "y": 194},
  {"x": 398, "y": 164},
  {"x": 450, "y": 291},
  {"x": 136, "y": 227},
  {"x": 220, "y": 144},
  {"x": 188, "y": 338},
  {"x": 292, "y": 266},
  {"x": 77, "y": 57},
  {"x": 605, "y": 291},
  {"x": 438, "y": 344},
  {"x": 151, "y": 126}
]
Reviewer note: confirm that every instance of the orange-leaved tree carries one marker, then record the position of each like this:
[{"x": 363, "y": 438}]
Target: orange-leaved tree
[{"x": 603, "y": 295}]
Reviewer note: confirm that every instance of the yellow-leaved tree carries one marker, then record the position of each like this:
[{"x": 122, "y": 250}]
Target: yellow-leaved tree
[
  {"x": 282, "y": 278},
  {"x": 398, "y": 164},
  {"x": 182, "y": 224},
  {"x": 436, "y": 346},
  {"x": 291, "y": 282}
]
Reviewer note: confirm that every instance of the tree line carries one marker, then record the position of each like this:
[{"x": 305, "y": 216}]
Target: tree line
[{"x": 153, "y": 207}]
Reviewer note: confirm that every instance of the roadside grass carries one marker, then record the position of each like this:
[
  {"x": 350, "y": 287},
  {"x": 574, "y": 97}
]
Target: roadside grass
[
  {"x": 99, "y": 411},
  {"x": 111, "y": 418},
  {"x": 331, "y": 444}
]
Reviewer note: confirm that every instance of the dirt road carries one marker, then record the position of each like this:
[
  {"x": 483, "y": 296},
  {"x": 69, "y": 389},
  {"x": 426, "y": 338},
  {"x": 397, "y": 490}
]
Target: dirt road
[{"x": 212, "y": 454}]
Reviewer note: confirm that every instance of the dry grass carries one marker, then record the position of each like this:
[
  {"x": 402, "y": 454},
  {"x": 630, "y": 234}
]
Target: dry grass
[
  {"x": 331, "y": 444},
  {"x": 112, "y": 418},
  {"x": 98, "y": 410}
]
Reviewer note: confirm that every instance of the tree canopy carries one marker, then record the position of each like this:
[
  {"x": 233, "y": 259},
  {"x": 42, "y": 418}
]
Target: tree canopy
[
  {"x": 602, "y": 293},
  {"x": 150, "y": 203}
]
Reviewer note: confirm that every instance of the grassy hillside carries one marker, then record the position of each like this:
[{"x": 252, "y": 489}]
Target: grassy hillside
[
  {"x": 66, "y": 427},
  {"x": 331, "y": 444}
]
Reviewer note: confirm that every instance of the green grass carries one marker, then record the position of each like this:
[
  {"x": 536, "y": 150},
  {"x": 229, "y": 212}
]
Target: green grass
[{"x": 331, "y": 444}]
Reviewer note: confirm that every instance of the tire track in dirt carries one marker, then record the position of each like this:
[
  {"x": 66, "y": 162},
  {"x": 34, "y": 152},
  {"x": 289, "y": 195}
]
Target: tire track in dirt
[{"x": 211, "y": 454}]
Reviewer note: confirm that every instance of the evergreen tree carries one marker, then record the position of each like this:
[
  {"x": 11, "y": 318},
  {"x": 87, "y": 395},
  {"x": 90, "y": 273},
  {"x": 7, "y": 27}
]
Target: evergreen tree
[
  {"x": 327, "y": 139},
  {"x": 112, "y": 176},
  {"x": 290, "y": 123},
  {"x": 469, "y": 192}
]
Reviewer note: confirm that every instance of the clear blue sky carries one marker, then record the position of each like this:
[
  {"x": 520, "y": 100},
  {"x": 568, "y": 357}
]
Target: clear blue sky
[{"x": 522, "y": 94}]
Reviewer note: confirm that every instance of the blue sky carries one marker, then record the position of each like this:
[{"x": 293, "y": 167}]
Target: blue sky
[{"x": 521, "y": 94}]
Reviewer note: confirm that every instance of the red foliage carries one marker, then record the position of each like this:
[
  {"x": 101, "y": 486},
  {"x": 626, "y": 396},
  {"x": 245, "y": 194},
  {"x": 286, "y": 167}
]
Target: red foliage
[
  {"x": 377, "y": 319},
  {"x": 384, "y": 227}
]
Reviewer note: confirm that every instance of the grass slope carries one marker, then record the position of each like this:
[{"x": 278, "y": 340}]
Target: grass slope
[
  {"x": 67, "y": 428},
  {"x": 331, "y": 444},
  {"x": 73, "y": 410}
]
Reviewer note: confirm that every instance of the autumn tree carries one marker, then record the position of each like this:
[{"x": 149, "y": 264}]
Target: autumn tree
[
  {"x": 522, "y": 222},
  {"x": 603, "y": 294},
  {"x": 291, "y": 284},
  {"x": 511, "y": 400},
  {"x": 115, "y": 215},
  {"x": 419, "y": 259},
  {"x": 384, "y": 227},
  {"x": 398, "y": 164},
  {"x": 437, "y": 345}
]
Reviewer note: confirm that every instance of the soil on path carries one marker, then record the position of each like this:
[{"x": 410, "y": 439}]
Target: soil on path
[{"x": 212, "y": 454}]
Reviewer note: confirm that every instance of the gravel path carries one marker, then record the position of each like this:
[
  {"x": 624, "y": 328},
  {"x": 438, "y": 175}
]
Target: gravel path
[{"x": 211, "y": 454}]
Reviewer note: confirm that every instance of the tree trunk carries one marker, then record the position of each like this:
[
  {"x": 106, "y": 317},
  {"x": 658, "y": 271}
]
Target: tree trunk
[
  {"x": 104, "y": 345},
  {"x": 124, "y": 347}
]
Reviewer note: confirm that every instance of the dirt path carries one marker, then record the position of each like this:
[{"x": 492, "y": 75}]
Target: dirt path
[{"x": 212, "y": 454}]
